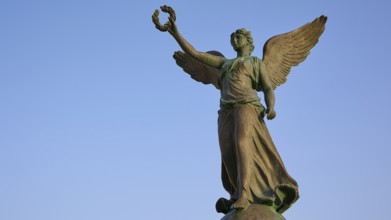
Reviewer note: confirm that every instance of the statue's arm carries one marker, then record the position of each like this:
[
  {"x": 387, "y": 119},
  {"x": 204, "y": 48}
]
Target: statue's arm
[
  {"x": 267, "y": 90},
  {"x": 206, "y": 58}
]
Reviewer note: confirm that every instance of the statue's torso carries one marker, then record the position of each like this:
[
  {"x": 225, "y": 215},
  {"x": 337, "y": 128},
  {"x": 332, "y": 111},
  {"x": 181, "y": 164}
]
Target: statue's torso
[{"x": 238, "y": 80}]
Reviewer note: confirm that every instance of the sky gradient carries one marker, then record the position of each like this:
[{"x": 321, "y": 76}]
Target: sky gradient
[{"x": 98, "y": 122}]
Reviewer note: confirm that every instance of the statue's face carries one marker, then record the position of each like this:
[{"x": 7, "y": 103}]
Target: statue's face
[{"x": 238, "y": 41}]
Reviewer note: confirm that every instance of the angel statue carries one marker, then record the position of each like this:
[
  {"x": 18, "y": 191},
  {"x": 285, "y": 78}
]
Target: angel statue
[{"x": 252, "y": 170}]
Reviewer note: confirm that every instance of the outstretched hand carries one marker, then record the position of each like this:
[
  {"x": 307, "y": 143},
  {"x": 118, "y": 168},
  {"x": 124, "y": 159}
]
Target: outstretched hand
[
  {"x": 170, "y": 25},
  {"x": 172, "y": 29}
]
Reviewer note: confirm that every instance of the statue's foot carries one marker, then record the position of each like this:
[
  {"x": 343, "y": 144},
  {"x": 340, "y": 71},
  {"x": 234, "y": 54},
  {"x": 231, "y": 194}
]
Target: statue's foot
[
  {"x": 241, "y": 203},
  {"x": 223, "y": 205}
]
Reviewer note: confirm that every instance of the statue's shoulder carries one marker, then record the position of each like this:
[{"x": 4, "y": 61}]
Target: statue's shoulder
[
  {"x": 227, "y": 63},
  {"x": 255, "y": 58}
]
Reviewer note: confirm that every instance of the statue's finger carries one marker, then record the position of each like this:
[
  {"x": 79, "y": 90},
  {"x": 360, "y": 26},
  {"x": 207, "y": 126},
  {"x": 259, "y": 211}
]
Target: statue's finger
[{"x": 171, "y": 20}]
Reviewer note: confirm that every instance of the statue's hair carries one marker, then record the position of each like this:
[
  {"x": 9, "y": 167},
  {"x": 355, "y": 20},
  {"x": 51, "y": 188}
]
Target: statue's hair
[{"x": 247, "y": 34}]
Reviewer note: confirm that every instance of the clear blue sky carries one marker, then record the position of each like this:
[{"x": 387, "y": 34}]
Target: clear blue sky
[{"x": 97, "y": 121}]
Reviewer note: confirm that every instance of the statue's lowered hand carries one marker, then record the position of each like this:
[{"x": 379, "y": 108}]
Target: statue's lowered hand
[{"x": 271, "y": 114}]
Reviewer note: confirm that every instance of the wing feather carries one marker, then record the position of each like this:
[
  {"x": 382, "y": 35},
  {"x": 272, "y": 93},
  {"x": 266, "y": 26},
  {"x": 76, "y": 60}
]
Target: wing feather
[
  {"x": 283, "y": 51},
  {"x": 197, "y": 70}
]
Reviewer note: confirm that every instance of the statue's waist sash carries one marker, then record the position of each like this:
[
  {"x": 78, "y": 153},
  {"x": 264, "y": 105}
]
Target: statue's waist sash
[{"x": 230, "y": 105}]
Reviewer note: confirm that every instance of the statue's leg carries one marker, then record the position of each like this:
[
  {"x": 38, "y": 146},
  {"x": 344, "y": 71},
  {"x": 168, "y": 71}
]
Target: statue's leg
[
  {"x": 226, "y": 180},
  {"x": 227, "y": 149},
  {"x": 244, "y": 116},
  {"x": 223, "y": 205}
]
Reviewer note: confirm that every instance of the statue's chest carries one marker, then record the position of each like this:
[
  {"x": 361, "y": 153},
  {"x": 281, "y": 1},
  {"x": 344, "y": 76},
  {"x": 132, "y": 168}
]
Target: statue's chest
[{"x": 237, "y": 68}]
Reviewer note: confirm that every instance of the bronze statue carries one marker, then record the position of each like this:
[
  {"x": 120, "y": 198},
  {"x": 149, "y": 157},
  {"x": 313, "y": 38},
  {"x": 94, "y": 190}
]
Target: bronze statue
[{"x": 252, "y": 170}]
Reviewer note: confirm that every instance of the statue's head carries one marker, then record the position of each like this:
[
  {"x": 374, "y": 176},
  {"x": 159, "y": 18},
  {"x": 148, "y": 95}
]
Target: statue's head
[{"x": 246, "y": 34}]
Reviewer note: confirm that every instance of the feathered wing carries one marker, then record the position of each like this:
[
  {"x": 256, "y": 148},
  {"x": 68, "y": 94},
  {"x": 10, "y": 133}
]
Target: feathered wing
[
  {"x": 197, "y": 70},
  {"x": 283, "y": 51}
]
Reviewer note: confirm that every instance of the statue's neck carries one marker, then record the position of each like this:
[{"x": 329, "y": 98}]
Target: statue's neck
[{"x": 244, "y": 52}]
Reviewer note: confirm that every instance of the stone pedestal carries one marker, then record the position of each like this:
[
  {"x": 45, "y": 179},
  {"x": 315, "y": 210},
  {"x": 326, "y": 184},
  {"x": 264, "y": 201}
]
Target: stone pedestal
[{"x": 254, "y": 212}]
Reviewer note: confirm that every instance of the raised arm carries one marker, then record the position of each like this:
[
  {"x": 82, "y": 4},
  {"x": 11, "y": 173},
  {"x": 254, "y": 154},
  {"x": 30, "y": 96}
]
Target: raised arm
[
  {"x": 267, "y": 91},
  {"x": 206, "y": 58}
]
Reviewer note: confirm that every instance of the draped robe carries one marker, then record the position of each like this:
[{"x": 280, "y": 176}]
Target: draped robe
[{"x": 251, "y": 165}]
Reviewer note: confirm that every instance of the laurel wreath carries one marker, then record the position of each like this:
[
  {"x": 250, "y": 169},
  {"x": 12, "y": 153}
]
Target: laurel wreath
[{"x": 167, "y": 25}]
